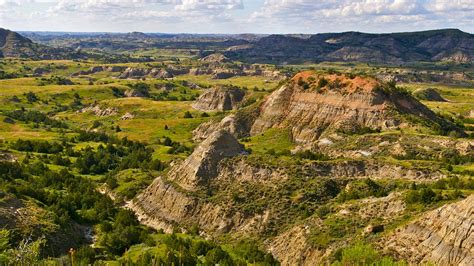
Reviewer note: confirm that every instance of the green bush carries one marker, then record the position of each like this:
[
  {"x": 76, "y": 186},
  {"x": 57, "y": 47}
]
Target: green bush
[{"x": 362, "y": 254}]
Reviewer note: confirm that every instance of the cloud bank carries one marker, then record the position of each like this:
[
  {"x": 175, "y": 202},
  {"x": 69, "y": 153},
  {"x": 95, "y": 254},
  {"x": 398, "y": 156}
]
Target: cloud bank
[{"x": 237, "y": 16}]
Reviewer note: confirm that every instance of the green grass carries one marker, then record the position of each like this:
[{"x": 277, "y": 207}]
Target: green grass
[
  {"x": 249, "y": 82},
  {"x": 275, "y": 139}
]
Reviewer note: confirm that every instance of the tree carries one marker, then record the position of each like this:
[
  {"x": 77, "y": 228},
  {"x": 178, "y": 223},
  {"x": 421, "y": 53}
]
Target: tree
[
  {"x": 188, "y": 114},
  {"x": 31, "y": 97}
]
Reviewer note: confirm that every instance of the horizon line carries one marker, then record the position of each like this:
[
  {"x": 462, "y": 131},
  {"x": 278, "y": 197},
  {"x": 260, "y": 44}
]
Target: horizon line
[{"x": 243, "y": 33}]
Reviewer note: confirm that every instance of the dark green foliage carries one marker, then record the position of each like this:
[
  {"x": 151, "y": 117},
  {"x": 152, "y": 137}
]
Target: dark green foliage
[
  {"x": 443, "y": 189},
  {"x": 335, "y": 229},
  {"x": 55, "y": 80},
  {"x": 36, "y": 117},
  {"x": 362, "y": 254},
  {"x": 31, "y": 97},
  {"x": 322, "y": 82},
  {"x": 78, "y": 201},
  {"x": 253, "y": 254},
  {"x": 85, "y": 255},
  {"x": 117, "y": 92},
  {"x": 141, "y": 88},
  {"x": 9, "y": 170},
  {"x": 96, "y": 124},
  {"x": 363, "y": 189},
  {"x": 5, "y": 75},
  {"x": 124, "y": 155},
  {"x": 176, "y": 147},
  {"x": 187, "y": 114},
  {"x": 37, "y": 146},
  {"x": 8, "y": 120}
]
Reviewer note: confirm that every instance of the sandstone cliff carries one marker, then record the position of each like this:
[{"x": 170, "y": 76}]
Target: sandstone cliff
[
  {"x": 171, "y": 200},
  {"x": 202, "y": 164},
  {"x": 444, "y": 236},
  {"x": 220, "y": 99},
  {"x": 313, "y": 105}
]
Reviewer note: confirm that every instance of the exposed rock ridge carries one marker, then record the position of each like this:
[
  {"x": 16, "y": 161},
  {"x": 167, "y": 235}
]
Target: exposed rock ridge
[
  {"x": 238, "y": 124},
  {"x": 161, "y": 206},
  {"x": 444, "y": 236},
  {"x": 220, "y": 99},
  {"x": 313, "y": 105},
  {"x": 202, "y": 164}
]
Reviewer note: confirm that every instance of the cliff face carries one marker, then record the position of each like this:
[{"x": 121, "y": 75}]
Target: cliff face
[
  {"x": 444, "y": 236},
  {"x": 219, "y": 99},
  {"x": 201, "y": 166},
  {"x": 312, "y": 105},
  {"x": 170, "y": 200}
]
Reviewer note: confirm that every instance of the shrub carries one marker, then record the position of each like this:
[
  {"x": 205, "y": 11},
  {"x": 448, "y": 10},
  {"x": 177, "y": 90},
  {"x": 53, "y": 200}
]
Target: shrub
[{"x": 187, "y": 114}]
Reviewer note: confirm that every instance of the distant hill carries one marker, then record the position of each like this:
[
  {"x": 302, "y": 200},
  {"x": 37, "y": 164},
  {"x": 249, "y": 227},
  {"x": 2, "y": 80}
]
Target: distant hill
[
  {"x": 437, "y": 45},
  {"x": 13, "y": 44}
]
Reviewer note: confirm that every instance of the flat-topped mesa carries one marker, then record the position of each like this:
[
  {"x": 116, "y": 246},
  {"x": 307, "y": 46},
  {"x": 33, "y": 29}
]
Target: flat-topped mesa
[
  {"x": 314, "y": 104},
  {"x": 202, "y": 164},
  {"x": 221, "y": 98}
]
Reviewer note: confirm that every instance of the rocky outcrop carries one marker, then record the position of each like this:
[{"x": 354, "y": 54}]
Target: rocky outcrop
[
  {"x": 6, "y": 156},
  {"x": 96, "y": 69},
  {"x": 313, "y": 105},
  {"x": 139, "y": 73},
  {"x": 293, "y": 248},
  {"x": 369, "y": 169},
  {"x": 215, "y": 58},
  {"x": 133, "y": 93},
  {"x": 238, "y": 124},
  {"x": 220, "y": 99},
  {"x": 171, "y": 200},
  {"x": 162, "y": 206},
  {"x": 444, "y": 236},
  {"x": 201, "y": 165},
  {"x": 98, "y": 111},
  {"x": 127, "y": 116},
  {"x": 428, "y": 94}
]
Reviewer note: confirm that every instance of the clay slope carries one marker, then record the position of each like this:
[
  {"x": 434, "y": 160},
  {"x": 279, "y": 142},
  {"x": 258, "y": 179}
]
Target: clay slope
[
  {"x": 201, "y": 166},
  {"x": 170, "y": 200},
  {"x": 220, "y": 99},
  {"x": 444, "y": 236},
  {"x": 313, "y": 105}
]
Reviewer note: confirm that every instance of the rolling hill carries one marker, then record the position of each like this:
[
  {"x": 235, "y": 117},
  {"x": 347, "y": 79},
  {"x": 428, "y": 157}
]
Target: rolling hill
[{"x": 436, "y": 45}]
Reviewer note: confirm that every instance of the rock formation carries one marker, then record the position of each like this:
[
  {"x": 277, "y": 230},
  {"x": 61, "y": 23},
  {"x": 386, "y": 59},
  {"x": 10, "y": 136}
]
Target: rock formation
[
  {"x": 170, "y": 200},
  {"x": 215, "y": 58},
  {"x": 220, "y": 99},
  {"x": 139, "y": 73},
  {"x": 312, "y": 105},
  {"x": 98, "y": 111},
  {"x": 444, "y": 236},
  {"x": 201, "y": 166},
  {"x": 428, "y": 94}
]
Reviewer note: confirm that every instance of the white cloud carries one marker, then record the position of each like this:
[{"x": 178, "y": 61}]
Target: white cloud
[
  {"x": 264, "y": 16},
  {"x": 368, "y": 15}
]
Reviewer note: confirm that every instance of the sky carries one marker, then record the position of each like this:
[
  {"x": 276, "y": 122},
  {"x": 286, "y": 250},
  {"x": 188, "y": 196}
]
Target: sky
[{"x": 236, "y": 16}]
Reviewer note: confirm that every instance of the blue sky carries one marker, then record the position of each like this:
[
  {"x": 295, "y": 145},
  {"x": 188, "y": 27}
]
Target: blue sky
[{"x": 236, "y": 16}]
